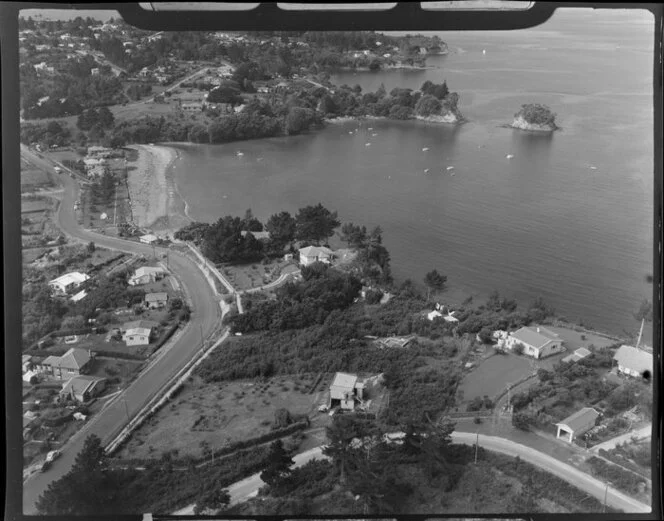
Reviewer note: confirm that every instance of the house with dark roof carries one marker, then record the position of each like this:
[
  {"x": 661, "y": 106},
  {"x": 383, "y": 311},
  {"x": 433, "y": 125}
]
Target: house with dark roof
[
  {"x": 578, "y": 423},
  {"x": 633, "y": 361},
  {"x": 156, "y": 300},
  {"x": 82, "y": 388},
  {"x": 73, "y": 363},
  {"x": 537, "y": 342}
]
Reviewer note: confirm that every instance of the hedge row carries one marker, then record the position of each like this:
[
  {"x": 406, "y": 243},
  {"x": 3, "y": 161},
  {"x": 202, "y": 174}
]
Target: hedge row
[
  {"x": 71, "y": 332},
  {"x": 100, "y": 265},
  {"x": 623, "y": 462},
  {"x": 118, "y": 354},
  {"x": 620, "y": 478},
  {"x": 168, "y": 334}
]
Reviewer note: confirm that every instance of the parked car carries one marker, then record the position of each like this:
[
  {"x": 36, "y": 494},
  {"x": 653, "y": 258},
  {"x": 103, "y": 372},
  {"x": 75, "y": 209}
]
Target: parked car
[{"x": 52, "y": 455}]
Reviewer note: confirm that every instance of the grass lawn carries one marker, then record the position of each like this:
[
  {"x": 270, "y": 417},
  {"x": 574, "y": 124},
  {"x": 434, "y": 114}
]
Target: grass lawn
[
  {"x": 492, "y": 375},
  {"x": 117, "y": 372},
  {"x": 33, "y": 177},
  {"x": 219, "y": 414},
  {"x": 37, "y": 206}
]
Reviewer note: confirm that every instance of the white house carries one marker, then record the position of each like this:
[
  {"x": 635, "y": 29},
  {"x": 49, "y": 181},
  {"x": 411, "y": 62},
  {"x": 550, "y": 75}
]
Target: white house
[
  {"x": 345, "y": 390},
  {"x": 633, "y": 361},
  {"x": 78, "y": 296},
  {"x": 68, "y": 281},
  {"x": 577, "y": 355},
  {"x": 146, "y": 275},
  {"x": 537, "y": 342},
  {"x": 82, "y": 388},
  {"x": 312, "y": 254},
  {"x": 138, "y": 332},
  {"x": 148, "y": 239},
  {"x": 578, "y": 423},
  {"x": 434, "y": 314}
]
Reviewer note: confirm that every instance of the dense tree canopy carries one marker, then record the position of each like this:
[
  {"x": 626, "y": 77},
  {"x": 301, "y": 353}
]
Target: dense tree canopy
[{"x": 315, "y": 223}]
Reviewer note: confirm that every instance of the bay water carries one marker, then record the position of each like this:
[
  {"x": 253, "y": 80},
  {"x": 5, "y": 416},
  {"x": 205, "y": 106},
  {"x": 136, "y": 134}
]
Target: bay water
[{"x": 567, "y": 216}]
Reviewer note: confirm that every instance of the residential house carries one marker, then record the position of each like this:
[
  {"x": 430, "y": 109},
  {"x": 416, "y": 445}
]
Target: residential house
[
  {"x": 144, "y": 73},
  {"x": 633, "y": 361},
  {"x": 261, "y": 236},
  {"x": 82, "y": 388},
  {"x": 148, "y": 239},
  {"x": 345, "y": 391},
  {"x": 68, "y": 281},
  {"x": 99, "y": 152},
  {"x": 93, "y": 162},
  {"x": 434, "y": 315},
  {"x": 312, "y": 254},
  {"x": 193, "y": 106},
  {"x": 96, "y": 171},
  {"x": 138, "y": 332},
  {"x": 146, "y": 275},
  {"x": 73, "y": 363},
  {"x": 78, "y": 296},
  {"x": 537, "y": 342},
  {"x": 156, "y": 300},
  {"x": 577, "y": 355},
  {"x": 26, "y": 363},
  {"x": 578, "y": 423},
  {"x": 94, "y": 71}
]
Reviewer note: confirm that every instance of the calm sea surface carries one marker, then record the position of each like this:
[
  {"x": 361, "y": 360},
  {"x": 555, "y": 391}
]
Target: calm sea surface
[{"x": 541, "y": 223}]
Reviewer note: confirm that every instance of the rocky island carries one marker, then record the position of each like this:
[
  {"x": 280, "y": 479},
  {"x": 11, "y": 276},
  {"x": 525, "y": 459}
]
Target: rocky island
[{"x": 535, "y": 117}]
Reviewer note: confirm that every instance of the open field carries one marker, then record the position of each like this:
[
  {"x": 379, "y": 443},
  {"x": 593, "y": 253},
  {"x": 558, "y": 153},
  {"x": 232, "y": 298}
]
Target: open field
[
  {"x": 219, "y": 414},
  {"x": 32, "y": 178},
  {"x": 493, "y": 374}
]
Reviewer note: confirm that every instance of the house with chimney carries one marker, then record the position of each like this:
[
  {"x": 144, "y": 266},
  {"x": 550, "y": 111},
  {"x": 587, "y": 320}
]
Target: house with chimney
[
  {"x": 74, "y": 362},
  {"x": 537, "y": 342}
]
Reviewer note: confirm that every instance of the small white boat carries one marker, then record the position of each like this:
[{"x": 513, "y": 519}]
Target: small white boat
[
  {"x": 509, "y": 156},
  {"x": 450, "y": 168},
  {"x": 367, "y": 144},
  {"x": 426, "y": 170},
  {"x": 239, "y": 154},
  {"x": 593, "y": 167},
  {"x": 425, "y": 149},
  {"x": 483, "y": 51},
  {"x": 370, "y": 128},
  {"x": 350, "y": 131},
  {"x": 374, "y": 134}
]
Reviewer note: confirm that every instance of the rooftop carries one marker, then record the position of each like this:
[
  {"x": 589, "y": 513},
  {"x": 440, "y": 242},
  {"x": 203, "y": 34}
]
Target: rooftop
[
  {"x": 315, "y": 251},
  {"x": 145, "y": 324},
  {"x": 80, "y": 384},
  {"x": 537, "y": 338},
  {"x": 344, "y": 380},
  {"x": 580, "y": 419},
  {"x": 69, "y": 278},
  {"x": 634, "y": 358},
  {"x": 156, "y": 297}
]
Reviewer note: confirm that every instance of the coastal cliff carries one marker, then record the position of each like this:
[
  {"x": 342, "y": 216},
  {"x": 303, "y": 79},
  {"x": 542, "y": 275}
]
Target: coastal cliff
[{"x": 535, "y": 117}]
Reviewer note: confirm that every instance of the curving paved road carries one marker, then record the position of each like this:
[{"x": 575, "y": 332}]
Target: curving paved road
[
  {"x": 247, "y": 488},
  {"x": 204, "y": 318}
]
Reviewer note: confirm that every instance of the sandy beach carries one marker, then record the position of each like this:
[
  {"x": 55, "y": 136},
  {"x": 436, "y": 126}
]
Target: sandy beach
[{"x": 154, "y": 199}]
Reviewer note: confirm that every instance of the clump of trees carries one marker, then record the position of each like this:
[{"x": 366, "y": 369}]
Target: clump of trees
[{"x": 537, "y": 114}]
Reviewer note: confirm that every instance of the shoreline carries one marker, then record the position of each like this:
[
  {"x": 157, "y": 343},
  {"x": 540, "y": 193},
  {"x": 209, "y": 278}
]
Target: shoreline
[{"x": 155, "y": 201}]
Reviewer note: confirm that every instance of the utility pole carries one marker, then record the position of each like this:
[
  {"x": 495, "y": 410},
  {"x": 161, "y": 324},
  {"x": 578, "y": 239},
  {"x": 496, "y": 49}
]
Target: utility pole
[
  {"x": 606, "y": 491},
  {"x": 124, "y": 400},
  {"x": 477, "y": 444},
  {"x": 638, "y": 341},
  {"x": 201, "y": 326}
]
